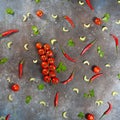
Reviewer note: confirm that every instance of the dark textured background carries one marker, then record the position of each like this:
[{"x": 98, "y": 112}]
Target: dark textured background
[{"x": 49, "y": 28}]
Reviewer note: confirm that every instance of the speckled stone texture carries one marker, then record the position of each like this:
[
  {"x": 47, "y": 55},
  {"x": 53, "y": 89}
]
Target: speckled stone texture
[{"x": 52, "y": 29}]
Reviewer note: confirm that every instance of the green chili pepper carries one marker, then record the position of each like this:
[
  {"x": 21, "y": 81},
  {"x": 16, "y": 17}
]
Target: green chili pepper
[
  {"x": 3, "y": 60},
  {"x": 28, "y": 99},
  {"x": 9, "y": 11}
]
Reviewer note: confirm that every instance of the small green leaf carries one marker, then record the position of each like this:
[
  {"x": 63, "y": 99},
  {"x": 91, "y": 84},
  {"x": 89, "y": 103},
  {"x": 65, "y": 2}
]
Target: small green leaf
[
  {"x": 101, "y": 54},
  {"x": 35, "y": 30},
  {"x": 92, "y": 93},
  {"x": 86, "y": 95},
  {"x": 41, "y": 87},
  {"x": 118, "y": 76},
  {"x": 81, "y": 115},
  {"x": 3, "y": 60},
  {"x": 28, "y": 99},
  {"x": 61, "y": 68},
  {"x": 71, "y": 43},
  {"x": 106, "y": 17},
  {"x": 37, "y": 1},
  {"x": 9, "y": 11}
]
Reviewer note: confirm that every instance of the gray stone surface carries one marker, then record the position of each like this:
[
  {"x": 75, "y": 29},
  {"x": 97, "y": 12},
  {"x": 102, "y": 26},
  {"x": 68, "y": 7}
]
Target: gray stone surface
[{"x": 49, "y": 28}]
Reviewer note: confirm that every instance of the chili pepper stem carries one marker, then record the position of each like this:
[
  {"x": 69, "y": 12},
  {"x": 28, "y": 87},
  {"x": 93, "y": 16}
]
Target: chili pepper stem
[{"x": 101, "y": 116}]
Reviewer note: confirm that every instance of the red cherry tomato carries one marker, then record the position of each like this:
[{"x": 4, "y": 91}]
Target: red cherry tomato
[
  {"x": 51, "y": 60},
  {"x": 45, "y": 71},
  {"x": 55, "y": 80},
  {"x": 15, "y": 87},
  {"x": 41, "y": 51},
  {"x": 52, "y": 67},
  {"x": 39, "y": 13},
  {"x": 44, "y": 64},
  {"x": 96, "y": 69},
  {"x": 97, "y": 21},
  {"x": 46, "y": 47},
  {"x": 38, "y": 45},
  {"x": 49, "y": 53},
  {"x": 43, "y": 58},
  {"x": 52, "y": 74},
  {"x": 89, "y": 116},
  {"x": 47, "y": 79}
]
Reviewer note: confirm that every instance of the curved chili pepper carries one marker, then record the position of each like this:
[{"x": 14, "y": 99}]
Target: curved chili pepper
[
  {"x": 89, "y": 4},
  {"x": 56, "y": 99},
  {"x": 69, "y": 79},
  {"x": 21, "y": 68},
  {"x": 95, "y": 76},
  {"x": 87, "y": 47},
  {"x": 70, "y": 21},
  {"x": 7, "y": 117},
  {"x": 116, "y": 41},
  {"x": 8, "y": 32},
  {"x": 67, "y": 56},
  {"x": 107, "y": 111}
]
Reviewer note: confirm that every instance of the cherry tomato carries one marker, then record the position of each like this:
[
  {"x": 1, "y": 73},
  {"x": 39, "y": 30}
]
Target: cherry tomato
[
  {"x": 89, "y": 116},
  {"x": 52, "y": 67},
  {"x": 47, "y": 79},
  {"x": 38, "y": 45},
  {"x": 55, "y": 80},
  {"x": 51, "y": 60},
  {"x": 49, "y": 53},
  {"x": 15, "y": 87},
  {"x": 41, "y": 51},
  {"x": 96, "y": 69},
  {"x": 43, "y": 58},
  {"x": 44, "y": 64},
  {"x": 97, "y": 21},
  {"x": 45, "y": 71},
  {"x": 52, "y": 74},
  {"x": 39, "y": 13},
  {"x": 46, "y": 47}
]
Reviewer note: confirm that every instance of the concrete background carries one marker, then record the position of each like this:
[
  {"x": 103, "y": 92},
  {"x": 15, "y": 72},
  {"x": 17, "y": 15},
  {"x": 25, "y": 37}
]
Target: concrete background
[{"x": 49, "y": 28}]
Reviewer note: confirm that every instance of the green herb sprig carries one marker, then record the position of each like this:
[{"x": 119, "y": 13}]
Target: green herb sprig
[{"x": 61, "y": 67}]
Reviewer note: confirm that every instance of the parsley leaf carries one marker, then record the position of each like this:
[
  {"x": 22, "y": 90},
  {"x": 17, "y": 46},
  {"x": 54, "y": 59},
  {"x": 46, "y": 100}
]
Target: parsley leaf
[
  {"x": 9, "y": 11},
  {"x": 3, "y": 60},
  {"x": 81, "y": 115},
  {"x": 37, "y": 1},
  {"x": 61, "y": 68},
  {"x": 90, "y": 94},
  {"x": 35, "y": 30},
  {"x": 118, "y": 76},
  {"x": 28, "y": 99},
  {"x": 41, "y": 86},
  {"x": 71, "y": 43}
]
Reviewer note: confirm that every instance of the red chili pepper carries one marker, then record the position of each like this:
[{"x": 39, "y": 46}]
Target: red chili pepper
[
  {"x": 8, "y": 32},
  {"x": 69, "y": 79},
  {"x": 87, "y": 47},
  {"x": 89, "y": 4},
  {"x": 95, "y": 76},
  {"x": 56, "y": 99},
  {"x": 116, "y": 41},
  {"x": 7, "y": 117},
  {"x": 21, "y": 68},
  {"x": 70, "y": 21},
  {"x": 107, "y": 111},
  {"x": 67, "y": 56}
]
